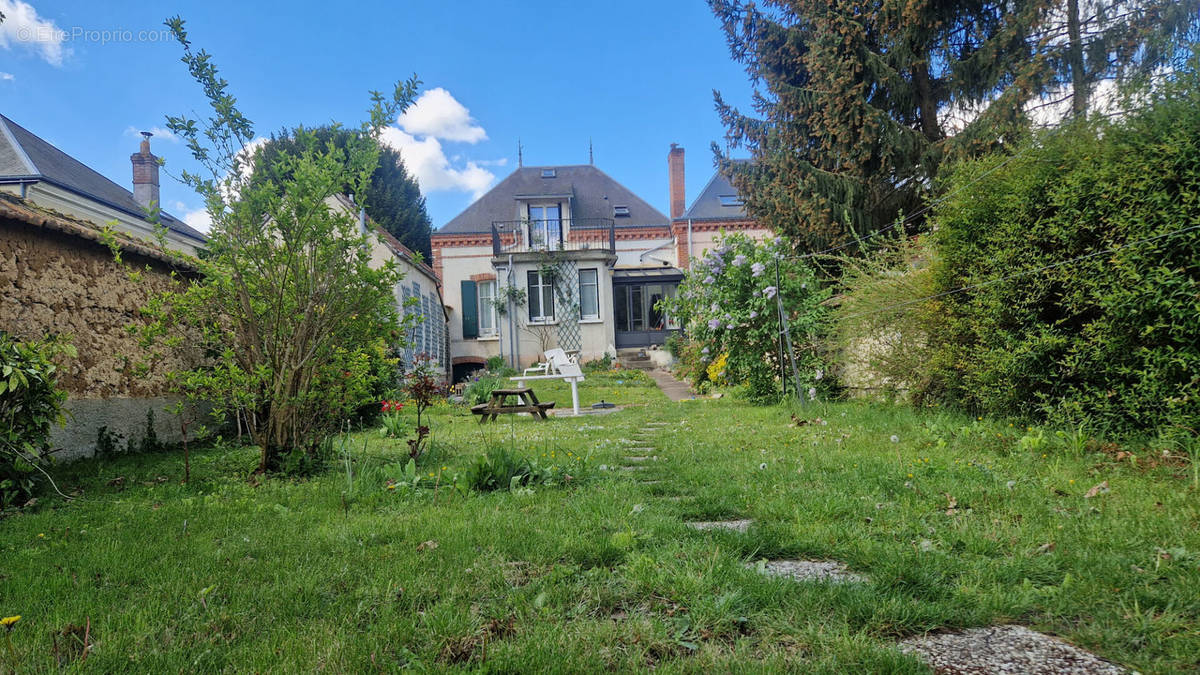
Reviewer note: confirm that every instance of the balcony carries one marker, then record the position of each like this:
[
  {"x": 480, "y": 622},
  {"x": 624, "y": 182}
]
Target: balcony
[{"x": 537, "y": 236}]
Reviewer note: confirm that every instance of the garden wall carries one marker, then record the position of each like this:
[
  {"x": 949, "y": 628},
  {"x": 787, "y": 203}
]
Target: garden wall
[{"x": 57, "y": 277}]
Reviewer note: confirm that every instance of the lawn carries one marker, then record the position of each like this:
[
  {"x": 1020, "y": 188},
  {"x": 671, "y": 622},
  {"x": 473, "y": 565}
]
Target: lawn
[{"x": 955, "y": 522}]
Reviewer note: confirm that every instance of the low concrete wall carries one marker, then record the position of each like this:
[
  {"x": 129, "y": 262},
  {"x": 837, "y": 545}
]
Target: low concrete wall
[{"x": 125, "y": 418}]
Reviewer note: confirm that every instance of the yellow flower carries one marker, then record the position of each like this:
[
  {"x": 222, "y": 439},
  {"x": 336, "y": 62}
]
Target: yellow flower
[
  {"x": 8, "y": 621},
  {"x": 41, "y": 535},
  {"x": 443, "y": 468},
  {"x": 910, "y": 475},
  {"x": 391, "y": 486},
  {"x": 1072, "y": 481}
]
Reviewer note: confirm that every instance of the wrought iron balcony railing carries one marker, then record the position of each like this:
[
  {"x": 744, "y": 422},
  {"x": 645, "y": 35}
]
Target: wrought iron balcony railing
[{"x": 566, "y": 234}]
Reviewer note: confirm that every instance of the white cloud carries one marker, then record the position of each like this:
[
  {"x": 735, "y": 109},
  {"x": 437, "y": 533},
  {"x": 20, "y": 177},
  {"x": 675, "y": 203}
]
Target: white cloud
[
  {"x": 6, "y": 77},
  {"x": 425, "y": 159},
  {"x": 198, "y": 219},
  {"x": 23, "y": 27},
  {"x": 437, "y": 114},
  {"x": 160, "y": 133}
]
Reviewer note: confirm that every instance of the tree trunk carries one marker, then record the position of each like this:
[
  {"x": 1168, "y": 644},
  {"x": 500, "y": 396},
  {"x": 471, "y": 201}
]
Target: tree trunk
[
  {"x": 1079, "y": 84},
  {"x": 925, "y": 99}
]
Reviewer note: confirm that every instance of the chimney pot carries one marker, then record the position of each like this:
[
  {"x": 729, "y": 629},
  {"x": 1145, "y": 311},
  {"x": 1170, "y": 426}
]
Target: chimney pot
[
  {"x": 145, "y": 174},
  {"x": 675, "y": 178}
]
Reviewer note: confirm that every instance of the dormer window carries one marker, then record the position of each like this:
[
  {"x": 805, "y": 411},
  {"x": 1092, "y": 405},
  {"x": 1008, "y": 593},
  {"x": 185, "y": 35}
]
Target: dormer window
[
  {"x": 731, "y": 200},
  {"x": 620, "y": 211},
  {"x": 549, "y": 173},
  {"x": 544, "y": 230}
]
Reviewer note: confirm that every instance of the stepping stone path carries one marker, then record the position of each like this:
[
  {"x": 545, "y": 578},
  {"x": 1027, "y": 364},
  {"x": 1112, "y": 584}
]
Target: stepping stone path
[
  {"x": 636, "y": 458},
  {"x": 809, "y": 570},
  {"x": 1005, "y": 649},
  {"x": 733, "y": 525}
]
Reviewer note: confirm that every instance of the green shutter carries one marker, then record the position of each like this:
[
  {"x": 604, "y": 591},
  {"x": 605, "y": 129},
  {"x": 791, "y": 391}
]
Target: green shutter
[{"x": 470, "y": 310}]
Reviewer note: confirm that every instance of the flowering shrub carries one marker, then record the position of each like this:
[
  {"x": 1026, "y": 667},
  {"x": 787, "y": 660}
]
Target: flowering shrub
[{"x": 728, "y": 307}]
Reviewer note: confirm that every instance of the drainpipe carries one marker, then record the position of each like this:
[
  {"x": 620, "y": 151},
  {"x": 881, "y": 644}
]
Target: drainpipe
[
  {"x": 515, "y": 350},
  {"x": 689, "y": 243},
  {"x": 646, "y": 254}
]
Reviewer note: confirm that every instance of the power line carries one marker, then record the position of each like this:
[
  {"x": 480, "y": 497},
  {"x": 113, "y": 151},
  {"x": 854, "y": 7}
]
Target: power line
[{"x": 1025, "y": 272}]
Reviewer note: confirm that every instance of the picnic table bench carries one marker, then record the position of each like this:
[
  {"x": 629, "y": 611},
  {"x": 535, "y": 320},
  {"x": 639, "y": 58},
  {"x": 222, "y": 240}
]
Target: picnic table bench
[{"x": 498, "y": 405}]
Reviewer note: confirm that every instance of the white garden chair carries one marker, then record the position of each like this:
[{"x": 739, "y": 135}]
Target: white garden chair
[{"x": 558, "y": 366}]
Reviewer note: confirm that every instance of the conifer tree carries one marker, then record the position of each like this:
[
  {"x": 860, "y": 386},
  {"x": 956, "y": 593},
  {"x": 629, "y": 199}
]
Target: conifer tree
[{"x": 859, "y": 102}]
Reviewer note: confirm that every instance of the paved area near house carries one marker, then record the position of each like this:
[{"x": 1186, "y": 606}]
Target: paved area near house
[{"x": 673, "y": 388}]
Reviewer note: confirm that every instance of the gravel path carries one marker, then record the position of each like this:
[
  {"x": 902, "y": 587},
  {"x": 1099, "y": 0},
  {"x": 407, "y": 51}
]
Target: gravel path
[{"x": 1005, "y": 649}]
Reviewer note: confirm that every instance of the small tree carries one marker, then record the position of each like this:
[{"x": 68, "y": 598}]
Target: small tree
[
  {"x": 728, "y": 307},
  {"x": 287, "y": 312}
]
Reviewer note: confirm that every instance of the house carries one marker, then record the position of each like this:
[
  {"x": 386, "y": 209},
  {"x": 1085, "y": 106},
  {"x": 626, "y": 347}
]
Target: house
[
  {"x": 419, "y": 293},
  {"x": 45, "y": 176},
  {"x": 567, "y": 257}
]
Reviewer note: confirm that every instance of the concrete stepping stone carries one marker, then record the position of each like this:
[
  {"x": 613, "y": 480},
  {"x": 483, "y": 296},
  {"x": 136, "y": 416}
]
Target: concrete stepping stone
[
  {"x": 632, "y": 468},
  {"x": 651, "y": 482},
  {"x": 637, "y": 458},
  {"x": 732, "y": 525},
  {"x": 807, "y": 570},
  {"x": 1005, "y": 649}
]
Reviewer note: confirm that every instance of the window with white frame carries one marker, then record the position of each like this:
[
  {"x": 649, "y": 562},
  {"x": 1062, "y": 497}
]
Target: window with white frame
[
  {"x": 541, "y": 297},
  {"x": 487, "y": 308},
  {"x": 589, "y": 294},
  {"x": 545, "y": 227}
]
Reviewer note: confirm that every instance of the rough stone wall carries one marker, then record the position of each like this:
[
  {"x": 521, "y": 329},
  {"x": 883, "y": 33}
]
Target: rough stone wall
[{"x": 52, "y": 282}]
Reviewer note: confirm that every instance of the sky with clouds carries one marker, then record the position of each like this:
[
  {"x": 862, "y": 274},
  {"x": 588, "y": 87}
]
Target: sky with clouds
[{"x": 630, "y": 78}]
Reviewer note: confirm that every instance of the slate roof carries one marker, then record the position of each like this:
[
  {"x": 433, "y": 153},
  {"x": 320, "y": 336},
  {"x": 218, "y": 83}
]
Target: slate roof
[
  {"x": 708, "y": 205},
  {"x": 593, "y": 194},
  {"x": 25, "y": 157}
]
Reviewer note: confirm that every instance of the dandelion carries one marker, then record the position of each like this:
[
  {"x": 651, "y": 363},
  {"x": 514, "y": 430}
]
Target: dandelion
[
  {"x": 757, "y": 269},
  {"x": 1072, "y": 481},
  {"x": 8, "y": 621},
  {"x": 391, "y": 486},
  {"x": 895, "y": 438},
  {"x": 41, "y": 535},
  {"x": 770, "y": 291},
  {"x": 910, "y": 475}
]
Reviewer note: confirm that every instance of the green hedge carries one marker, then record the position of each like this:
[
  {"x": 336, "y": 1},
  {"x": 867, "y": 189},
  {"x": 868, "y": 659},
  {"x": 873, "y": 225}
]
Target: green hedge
[{"x": 1112, "y": 340}]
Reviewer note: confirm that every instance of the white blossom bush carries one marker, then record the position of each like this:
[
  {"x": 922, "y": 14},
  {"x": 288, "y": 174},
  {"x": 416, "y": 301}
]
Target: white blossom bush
[{"x": 728, "y": 304}]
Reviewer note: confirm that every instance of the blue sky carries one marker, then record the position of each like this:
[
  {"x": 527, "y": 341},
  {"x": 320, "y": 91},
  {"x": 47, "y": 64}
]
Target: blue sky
[{"x": 633, "y": 77}]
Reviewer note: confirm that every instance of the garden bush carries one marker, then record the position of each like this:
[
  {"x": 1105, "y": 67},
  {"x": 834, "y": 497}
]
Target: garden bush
[
  {"x": 480, "y": 389},
  {"x": 1098, "y": 323},
  {"x": 727, "y": 305},
  {"x": 30, "y": 401}
]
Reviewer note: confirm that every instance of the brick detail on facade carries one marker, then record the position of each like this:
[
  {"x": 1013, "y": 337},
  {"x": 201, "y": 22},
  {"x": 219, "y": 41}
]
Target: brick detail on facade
[
  {"x": 486, "y": 276},
  {"x": 475, "y": 360}
]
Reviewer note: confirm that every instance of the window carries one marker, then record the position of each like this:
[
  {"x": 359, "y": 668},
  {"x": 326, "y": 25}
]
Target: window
[
  {"x": 730, "y": 200},
  {"x": 487, "y": 308},
  {"x": 620, "y": 211},
  {"x": 549, "y": 173},
  {"x": 589, "y": 294},
  {"x": 545, "y": 227},
  {"x": 541, "y": 298}
]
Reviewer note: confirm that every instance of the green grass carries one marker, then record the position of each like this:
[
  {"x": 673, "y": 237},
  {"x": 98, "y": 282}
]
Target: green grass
[{"x": 602, "y": 574}]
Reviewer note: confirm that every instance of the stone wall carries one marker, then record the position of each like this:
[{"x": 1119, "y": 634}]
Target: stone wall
[{"x": 56, "y": 277}]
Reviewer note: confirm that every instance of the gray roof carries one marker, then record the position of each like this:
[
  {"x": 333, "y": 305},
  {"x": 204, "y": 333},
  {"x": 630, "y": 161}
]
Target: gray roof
[
  {"x": 708, "y": 205},
  {"x": 593, "y": 194},
  {"x": 24, "y": 156}
]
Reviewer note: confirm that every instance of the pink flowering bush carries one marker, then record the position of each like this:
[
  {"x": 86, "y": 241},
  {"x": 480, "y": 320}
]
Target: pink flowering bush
[{"x": 729, "y": 304}]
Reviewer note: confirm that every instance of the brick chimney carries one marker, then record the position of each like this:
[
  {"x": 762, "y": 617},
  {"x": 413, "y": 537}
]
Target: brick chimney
[
  {"x": 145, "y": 174},
  {"x": 675, "y": 174}
]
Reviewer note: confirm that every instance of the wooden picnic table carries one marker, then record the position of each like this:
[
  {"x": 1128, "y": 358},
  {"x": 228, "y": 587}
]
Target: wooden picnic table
[{"x": 498, "y": 405}]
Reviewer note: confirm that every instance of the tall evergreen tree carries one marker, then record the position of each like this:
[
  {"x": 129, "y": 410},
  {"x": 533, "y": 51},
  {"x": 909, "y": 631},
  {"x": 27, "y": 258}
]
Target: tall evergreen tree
[
  {"x": 392, "y": 199},
  {"x": 858, "y": 102}
]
